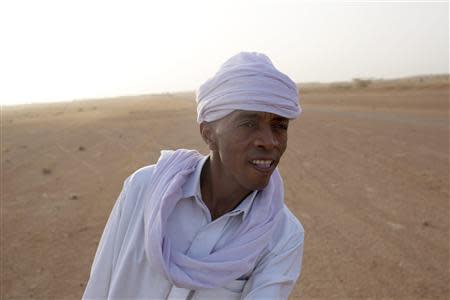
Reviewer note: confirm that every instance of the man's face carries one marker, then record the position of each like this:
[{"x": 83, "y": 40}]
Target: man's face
[{"x": 250, "y": 145}]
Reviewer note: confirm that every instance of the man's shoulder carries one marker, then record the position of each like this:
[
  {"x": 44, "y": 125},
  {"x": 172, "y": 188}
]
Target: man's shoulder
[
  {"x": 288, "y": 233},
  {"x": 292, "y": 221},
  {"x": 141, "y": 176},
  {"x": 133, "y": 188}
]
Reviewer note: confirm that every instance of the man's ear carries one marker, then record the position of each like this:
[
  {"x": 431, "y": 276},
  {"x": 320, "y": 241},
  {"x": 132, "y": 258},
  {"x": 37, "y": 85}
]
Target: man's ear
[{"x": 208, "y": 135}]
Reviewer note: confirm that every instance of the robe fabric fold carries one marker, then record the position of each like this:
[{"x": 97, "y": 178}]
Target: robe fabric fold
[{"x": 223, "y": 265}]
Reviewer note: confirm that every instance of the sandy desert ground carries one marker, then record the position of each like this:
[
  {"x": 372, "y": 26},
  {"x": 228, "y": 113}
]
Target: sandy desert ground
[{"x": 366, "y": 172}]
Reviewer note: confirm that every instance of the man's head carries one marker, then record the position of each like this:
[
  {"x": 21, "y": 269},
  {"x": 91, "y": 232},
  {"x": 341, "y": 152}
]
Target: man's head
[
  {"x": 247, "y": 81},
  {"x": 244, "y": 111},
  {"x": 248, "y": 145}
]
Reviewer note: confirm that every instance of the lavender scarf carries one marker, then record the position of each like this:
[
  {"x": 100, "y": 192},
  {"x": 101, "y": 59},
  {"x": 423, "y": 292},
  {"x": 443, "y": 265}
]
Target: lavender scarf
[{"x": 223, "y": 265}]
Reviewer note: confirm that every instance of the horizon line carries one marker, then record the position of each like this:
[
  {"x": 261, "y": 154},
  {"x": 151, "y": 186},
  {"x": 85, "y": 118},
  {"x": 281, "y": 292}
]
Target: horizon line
[{"x": 106, "y": 97}]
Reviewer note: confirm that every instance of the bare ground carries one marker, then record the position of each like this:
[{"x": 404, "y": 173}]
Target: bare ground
[{"x": 366, "y": 172}]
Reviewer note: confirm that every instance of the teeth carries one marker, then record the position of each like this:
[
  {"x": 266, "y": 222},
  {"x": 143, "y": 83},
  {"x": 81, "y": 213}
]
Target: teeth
[{"x": 262, "y": 162}]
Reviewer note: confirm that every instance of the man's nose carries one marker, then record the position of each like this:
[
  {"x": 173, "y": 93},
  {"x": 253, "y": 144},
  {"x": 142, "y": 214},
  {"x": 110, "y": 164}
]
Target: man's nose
[{"x": 266, "y": 138}]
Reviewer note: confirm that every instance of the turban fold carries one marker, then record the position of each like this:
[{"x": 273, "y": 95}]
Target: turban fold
[{"x": 247, "y": 81}]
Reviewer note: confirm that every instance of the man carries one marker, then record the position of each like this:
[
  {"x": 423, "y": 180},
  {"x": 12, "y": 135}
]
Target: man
[{"x": 195, "y": 227}]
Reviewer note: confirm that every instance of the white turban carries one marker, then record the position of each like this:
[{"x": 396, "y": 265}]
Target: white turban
[{"x": 247, "y": 81}]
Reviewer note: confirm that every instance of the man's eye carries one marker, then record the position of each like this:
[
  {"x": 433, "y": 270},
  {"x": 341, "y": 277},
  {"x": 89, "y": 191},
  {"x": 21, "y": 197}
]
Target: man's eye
[
  {"x": 281, "y": 126},
  {"x": 248, "y": 124}
]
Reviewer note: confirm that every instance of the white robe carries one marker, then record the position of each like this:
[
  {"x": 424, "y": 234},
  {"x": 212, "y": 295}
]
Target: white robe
[{"x": 121, "y": 269}]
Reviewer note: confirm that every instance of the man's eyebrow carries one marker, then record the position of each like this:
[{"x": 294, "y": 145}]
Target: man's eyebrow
[
  {"x": 245, "y": 115},
  {"x": 280, "y": 118},
  {"x": 253, "y": 115}
]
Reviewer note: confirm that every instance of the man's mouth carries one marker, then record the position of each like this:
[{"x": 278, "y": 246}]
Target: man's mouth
[{"x": 262, "y": 164}]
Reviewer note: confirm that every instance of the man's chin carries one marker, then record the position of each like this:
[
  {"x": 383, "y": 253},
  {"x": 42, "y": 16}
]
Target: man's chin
[
  {"x": 258, "y": 180},
  {"x": 260, "y": 184}
]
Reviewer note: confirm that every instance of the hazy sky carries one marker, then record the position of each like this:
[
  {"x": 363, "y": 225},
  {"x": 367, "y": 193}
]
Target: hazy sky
[{"x": 60, "y": 50}]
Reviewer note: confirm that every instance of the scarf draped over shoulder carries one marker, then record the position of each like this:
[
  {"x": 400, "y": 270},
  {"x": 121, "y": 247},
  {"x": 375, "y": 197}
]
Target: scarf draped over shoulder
[{"x": 223, "y": 265}]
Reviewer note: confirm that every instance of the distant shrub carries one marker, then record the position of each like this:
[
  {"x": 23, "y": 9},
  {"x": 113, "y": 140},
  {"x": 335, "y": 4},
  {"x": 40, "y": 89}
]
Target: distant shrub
[
  {"x": 341, "y": 86},
  {"x": 361, "y": 83},
  {"x": 46, "y": 171}
]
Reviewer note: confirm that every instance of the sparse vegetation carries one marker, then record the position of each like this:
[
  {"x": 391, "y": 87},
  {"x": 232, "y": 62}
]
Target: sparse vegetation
[
  {"x": 341, "y": 86},
  {"x": 361, "y": 83},
  {"x": 46, "y": 171}
]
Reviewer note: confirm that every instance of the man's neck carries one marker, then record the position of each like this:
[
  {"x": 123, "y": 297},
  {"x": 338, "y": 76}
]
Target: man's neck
[{"x": 220, "y": 193}]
